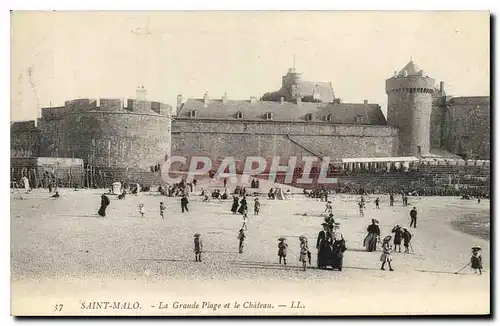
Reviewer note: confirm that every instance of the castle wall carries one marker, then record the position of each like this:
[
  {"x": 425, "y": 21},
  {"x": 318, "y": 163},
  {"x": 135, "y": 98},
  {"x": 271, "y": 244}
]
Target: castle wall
[
  {"x": 218, "y": 139},
  {"x": 24, "y": 139},
  {"x": 467, "y": 127},
  {"x": 107, "y": 135}
]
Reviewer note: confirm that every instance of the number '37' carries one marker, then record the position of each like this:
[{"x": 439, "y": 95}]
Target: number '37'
[{"x": 58, "y": 307}]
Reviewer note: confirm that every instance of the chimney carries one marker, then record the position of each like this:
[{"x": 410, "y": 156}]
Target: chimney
[
  {"x": 253, "y": 99},
  {"x": 299, "y": 100},
  {"x": 365, "y": 102},
  {"x": 141, "y": 93},
  {"x": 282, "y": 100},
  {"x": 441, "y": 87},
  {"x": 206, "y": 99},
  {"x": 179, "y": 101},
  {"x": 224, "y": 98}
]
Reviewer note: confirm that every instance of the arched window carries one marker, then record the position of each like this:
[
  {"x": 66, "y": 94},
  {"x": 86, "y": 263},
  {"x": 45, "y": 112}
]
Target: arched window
[
  {"x": 309, "y": 117},
  {"x": 192, "y": 114},
  {"x": 239, "y": 115},
  {"x": 268, "y": 116},
  {"x": 328, "y": 117},
  {"x": 359, "y": 119}
]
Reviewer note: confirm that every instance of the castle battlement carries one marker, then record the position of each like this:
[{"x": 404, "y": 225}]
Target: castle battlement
[{"x": 115, "y": 105}]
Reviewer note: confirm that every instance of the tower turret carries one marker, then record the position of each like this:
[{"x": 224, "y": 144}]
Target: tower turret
[{"x": 409, "y": 108}]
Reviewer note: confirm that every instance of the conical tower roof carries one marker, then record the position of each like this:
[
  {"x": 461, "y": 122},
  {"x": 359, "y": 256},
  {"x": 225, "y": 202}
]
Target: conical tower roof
[{"x": 411, "y": 69}]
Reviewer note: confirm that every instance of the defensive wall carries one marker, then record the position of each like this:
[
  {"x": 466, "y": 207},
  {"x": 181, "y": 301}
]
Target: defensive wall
[{"x": 218, "y": 139}]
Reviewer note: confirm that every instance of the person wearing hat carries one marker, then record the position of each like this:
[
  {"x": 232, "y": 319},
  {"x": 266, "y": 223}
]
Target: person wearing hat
[
  {"x": 282, "y": 246},
  {"x": 370, "y": 241},
  {"x": 476, "y": 260},
  {"x": 377, "y": 202},
  {"x": 386, "y": 254},
  {"x": 338, "y": 248},
  {"x": 162, "y": 209},
  {"x": 406, "y": 235},
  {"x": 398, "y": 233},
  {"x": 323, "y": 246},
  {"x": 198, "y": 247},
  {"x": 304, "y": 250},
  {"x": 241, "y": 237},
  {"x": 256, "y": 206}
]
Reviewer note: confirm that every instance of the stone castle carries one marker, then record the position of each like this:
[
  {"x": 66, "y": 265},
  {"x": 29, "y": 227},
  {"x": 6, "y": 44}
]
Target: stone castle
[{"x": 302, "y": 118}]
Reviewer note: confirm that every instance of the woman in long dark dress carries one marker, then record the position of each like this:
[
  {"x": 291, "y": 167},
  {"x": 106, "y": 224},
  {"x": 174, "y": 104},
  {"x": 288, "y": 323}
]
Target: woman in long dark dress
[
  {"x": 234, "y": 208},
  {"x": 104, "y": 204},
  {"x": 323, "y": 244},
  {"x": 243, "y": 207},
  {"x": 370, "y": 241}
]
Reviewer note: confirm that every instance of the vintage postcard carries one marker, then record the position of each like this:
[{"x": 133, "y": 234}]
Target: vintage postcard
[{"x": 263, "y": 163}]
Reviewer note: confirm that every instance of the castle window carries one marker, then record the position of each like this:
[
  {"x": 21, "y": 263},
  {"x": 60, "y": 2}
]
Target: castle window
[
  {"x": 268, "y": 116},
  {"x": 328, "y": 117},
  {"x": 359, "y": 119},
  {"x": 192, "y": 114},
  {"x": 239, "y": 115},
  {"x": 309, "y": 117}
]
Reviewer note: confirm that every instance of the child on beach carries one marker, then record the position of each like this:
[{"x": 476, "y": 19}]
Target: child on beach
[
  {"x": 245, "y": 219},
  {"x": 256, "y": 207},
  {"x": 476, "y": 260},
  {"x": 282, "y": 246},
  {"x": 198, "y": 247},
  {"x": 386, "y": 255},
  {"x": 142, "y": 210},
  {"x": 304, "y": 250},
  {"x": 162, "y": 209},
  {"x": 241, "y": 237}
]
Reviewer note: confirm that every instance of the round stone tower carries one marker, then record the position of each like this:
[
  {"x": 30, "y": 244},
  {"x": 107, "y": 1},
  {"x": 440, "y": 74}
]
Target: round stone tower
[
  {"x": 409, "y": 109},
  {"x": 290, "y": 81}
]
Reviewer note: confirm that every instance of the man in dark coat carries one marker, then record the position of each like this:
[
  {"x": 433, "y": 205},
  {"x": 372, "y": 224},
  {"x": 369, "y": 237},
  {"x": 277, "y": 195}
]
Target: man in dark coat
[
  {"x": 184, "y": 203},
  {"x": 398, "y": 233},
  {"x": 413, "y": 217},
  {"x": 391, "y": 200},
  {"x": 104, "y": 205},
  {"x": 407, "y": 238}
]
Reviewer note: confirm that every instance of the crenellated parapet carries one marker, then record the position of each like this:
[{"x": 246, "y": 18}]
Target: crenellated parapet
[{"x": 106, "y": 105}]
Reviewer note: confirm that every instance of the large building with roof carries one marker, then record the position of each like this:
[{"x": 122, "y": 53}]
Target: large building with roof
[
  {"x": 304, "y": 118},
  {"x": 301, "y": 119}
]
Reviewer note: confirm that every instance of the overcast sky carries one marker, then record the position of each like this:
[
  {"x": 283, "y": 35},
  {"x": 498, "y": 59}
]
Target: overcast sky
[{"x": 57, "y": 56}]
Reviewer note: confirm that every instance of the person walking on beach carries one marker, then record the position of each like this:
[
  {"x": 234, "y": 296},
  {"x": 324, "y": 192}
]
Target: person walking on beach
[
  {"x": 391, "y": 200},
  {"x": 328, "y": 207},
  {"x": 104, "y": 205},
  {"x": 361, "y": 205},
  {"x": 241, "y": 237},
  {"x": 413, "y": 217},
  {"x": 142, "y": 209},
  {"x": 184, "y": 203},
  {"x": 236, "y": 203},
  {"x": 386, "y": 254},
  {"x": 406, "y": 240},
  {"x": 198, "y": 247},
  {"x": 398, "y": 233},
  {"x": 377, "y": 202},
  {"x": 162, "y": 209},
  {"x": 476, "y": 260},
  {"x": 256, "y": 206}
]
